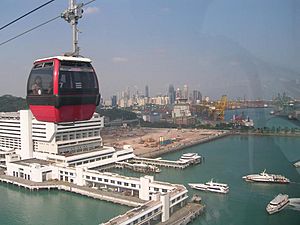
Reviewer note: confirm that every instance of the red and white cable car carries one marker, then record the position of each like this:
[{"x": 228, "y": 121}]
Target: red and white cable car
[{"x": 62, "y": 89}]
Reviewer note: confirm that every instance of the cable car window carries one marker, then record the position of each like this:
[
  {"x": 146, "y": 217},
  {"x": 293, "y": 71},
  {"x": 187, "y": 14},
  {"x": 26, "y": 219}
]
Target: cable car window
[
  {"x": 40, "y": 81},
  {"x": 77, "y": 82},
  {"x": 48, "y": 64},
  {"x": 77, "y": 78},
  {"x": 39, "y": 65}
]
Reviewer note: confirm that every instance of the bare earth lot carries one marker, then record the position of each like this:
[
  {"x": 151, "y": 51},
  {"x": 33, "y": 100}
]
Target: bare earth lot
[{"x": 151, "y": 142}]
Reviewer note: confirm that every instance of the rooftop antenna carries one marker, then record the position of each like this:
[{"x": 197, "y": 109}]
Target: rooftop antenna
[{"x": 72, "y": 15}]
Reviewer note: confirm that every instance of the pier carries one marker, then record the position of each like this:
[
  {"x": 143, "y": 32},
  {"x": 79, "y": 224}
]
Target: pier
[
  {"x": 138, "y": 167},
  {"x": 109, "y": 196},
  {"x": 179, "y": 164},
  {"x": 185, "y": 215}
]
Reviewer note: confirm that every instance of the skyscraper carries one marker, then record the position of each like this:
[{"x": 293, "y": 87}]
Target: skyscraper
[
  {"x": 197, "y": 96},
  {"x": 114, "y": 101},
  {"x": 171, "y": 94},
  {"x": 178, "y": 93},
  {"x": 185, "y": 93},
  {"x": 147, "y": 91}
]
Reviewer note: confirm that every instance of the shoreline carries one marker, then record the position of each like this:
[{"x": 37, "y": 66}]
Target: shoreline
[
  {"x": 161, "y": 151},
  {"x": 265, "y": 134}
]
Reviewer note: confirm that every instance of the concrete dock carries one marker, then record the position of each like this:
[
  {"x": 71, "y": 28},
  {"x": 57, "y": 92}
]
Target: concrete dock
[
  {"x": 185, "y": 215},
  {"x": 109, "y": 196},
  {"x": 161, "y": 162}
]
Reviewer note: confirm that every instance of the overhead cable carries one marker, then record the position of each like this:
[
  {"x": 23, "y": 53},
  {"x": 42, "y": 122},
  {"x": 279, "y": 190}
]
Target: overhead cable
[
  {"x": 25, "y": 32},
  {"x": 26, "y": 14},
  {"x": 40, "y": 25}
]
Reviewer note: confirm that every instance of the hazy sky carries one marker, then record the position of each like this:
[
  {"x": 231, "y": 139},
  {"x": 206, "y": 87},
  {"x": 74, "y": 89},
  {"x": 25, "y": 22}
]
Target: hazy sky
[{"x": 158, "y": 42}]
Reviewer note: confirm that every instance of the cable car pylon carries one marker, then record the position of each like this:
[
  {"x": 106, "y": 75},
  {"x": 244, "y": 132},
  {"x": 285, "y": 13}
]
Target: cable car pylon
[{"x": 72, "y": 15}]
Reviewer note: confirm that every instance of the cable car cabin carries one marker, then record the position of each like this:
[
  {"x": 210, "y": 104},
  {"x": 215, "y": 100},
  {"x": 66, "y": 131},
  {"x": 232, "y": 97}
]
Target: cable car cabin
[{"x": 62, "y": 89}]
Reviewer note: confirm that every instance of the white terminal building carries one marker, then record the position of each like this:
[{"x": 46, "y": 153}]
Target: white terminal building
[
  {"x": 69, "y": 144},
  {"x": 42, "y": 151}
]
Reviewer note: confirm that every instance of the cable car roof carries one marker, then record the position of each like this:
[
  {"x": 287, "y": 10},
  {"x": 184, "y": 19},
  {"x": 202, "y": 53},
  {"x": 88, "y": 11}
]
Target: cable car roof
[{"x": 65, "y": 58}]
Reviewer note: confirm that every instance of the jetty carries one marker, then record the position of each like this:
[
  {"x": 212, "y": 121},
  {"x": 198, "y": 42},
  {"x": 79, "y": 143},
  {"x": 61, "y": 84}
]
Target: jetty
[
  {"x": 178, "y": 164},
  {"x": 138, "y": 167},
  {"x": 185, "y": 215},
  {"x": 109, "y": 196}
]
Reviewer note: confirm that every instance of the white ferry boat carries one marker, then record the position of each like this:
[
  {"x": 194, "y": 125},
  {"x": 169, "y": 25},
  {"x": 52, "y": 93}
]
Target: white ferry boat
[
  {"x": 192, "y": 157},
  {"x": 212, "y": 187},
  {"x": 278, "y": 203},
  {"x": 265, "y": 177}
]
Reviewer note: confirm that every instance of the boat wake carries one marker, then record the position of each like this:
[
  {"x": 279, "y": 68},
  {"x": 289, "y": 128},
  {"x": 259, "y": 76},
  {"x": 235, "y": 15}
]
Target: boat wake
[{"x": 294, "y": 204}]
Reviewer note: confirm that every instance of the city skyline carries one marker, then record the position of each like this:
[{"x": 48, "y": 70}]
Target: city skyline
[{"x": 236, "y": 48}]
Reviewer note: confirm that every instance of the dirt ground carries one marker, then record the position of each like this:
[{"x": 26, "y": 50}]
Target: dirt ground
[{"x": 147, "y": 140}]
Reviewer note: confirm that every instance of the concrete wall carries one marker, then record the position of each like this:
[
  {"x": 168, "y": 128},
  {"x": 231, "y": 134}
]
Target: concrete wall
[{"x": 26, "y": 134}]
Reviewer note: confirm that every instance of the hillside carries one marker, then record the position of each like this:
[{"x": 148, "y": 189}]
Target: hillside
[{"x": 9, "y": 103}]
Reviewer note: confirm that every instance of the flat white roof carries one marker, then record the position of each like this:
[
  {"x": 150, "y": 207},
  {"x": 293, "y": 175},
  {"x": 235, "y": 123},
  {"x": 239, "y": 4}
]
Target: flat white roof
[{"x": 66, "y": 58}]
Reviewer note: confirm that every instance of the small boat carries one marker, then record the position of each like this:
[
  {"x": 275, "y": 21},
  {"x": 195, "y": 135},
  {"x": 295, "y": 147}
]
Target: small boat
[
  {"x": 212, "y": 187},
  {"x": 278, "y": 203},
  {"x": 265, "y": 177}
]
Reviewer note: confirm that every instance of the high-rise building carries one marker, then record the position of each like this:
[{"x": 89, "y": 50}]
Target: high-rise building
[
  {"x": 185, "y": 92},
  {"x": 147, "y": 91},
  {"x": 196, "y": 97},
  {"x": 171, "y": 94},
  {"x": 114, "y": 101},
  {"x": 178, "y": 93}
]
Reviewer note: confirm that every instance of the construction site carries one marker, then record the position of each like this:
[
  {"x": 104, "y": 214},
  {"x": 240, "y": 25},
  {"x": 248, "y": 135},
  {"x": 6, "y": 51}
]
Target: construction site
[{"x": 150, "y": 142}]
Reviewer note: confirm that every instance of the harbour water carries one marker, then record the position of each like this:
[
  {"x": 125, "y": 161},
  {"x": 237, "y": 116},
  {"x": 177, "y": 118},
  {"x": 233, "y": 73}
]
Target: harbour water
[
  {"x": 22, "y": 207},
  {"x": 262, "y": 118},
  {"x": 226, "y": 160}
]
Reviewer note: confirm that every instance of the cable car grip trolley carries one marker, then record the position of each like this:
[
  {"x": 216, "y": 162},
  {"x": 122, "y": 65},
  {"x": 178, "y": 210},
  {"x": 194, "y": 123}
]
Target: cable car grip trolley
[{"x": 64, "y": 88}]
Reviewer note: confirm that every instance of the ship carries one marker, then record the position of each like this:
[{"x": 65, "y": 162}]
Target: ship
[
  {"x": 212, "y": 187},
  {"x": 268, "y": 178},
  {"x": 194, "y": 158},
  {"x": 278, "y": 203}
]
